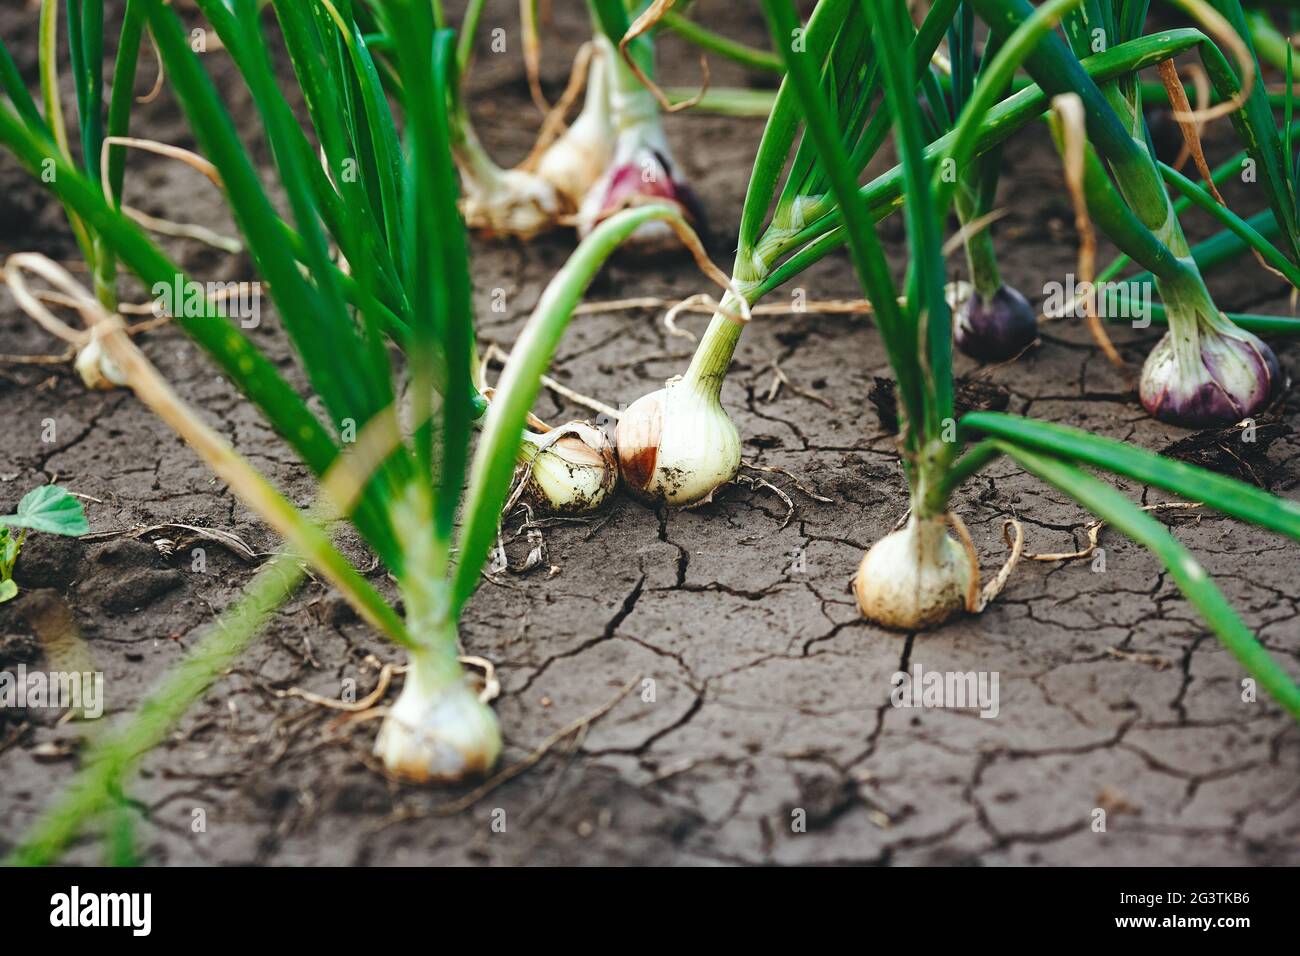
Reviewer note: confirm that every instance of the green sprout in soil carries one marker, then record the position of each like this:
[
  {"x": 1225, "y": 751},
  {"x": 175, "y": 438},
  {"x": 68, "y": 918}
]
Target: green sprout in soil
[{"x": 48, "y": 509}]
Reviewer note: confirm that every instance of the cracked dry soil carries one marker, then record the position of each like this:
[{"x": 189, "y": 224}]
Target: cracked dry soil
[{"x": 771, "y": 696}]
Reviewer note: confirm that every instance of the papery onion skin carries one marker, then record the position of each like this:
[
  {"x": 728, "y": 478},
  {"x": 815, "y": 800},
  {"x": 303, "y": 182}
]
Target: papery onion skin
[
  {"x": 914, "y": 578},
  {"x": 676, "y": 446},
  {"x": 640, "y": 173},
  {"x": 995, "y": 330},
  {"x": 438, "y": 736},
  {"x": 574, "y": 474},
  {"x": 637, "y": 439},
  {"x": 1215, "y": 378},
  {"x": 96, "y": 368}
]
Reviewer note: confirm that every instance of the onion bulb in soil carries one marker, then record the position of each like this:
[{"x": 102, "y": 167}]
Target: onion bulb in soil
[
  {"x": 642, "y": 169},
  {"x": 96, "y": 368},
  {"x": 438, "y": 731},
  {"x": 1206, "y": 373},
  {"x": 571, "y": 469},
  {"x": 994, "y": 328},
  {"x": 677, "y": 445},
  {"x": 914, "y": 578},
  {"x": 503, "y": 202}
]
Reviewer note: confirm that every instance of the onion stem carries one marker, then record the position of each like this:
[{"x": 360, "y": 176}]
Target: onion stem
[
  {"x": 981, "y": 257},
  {"x": 712, "y": 358},
  {"x": 48, "y": 40},
  {"x": 733, "y": 50}
]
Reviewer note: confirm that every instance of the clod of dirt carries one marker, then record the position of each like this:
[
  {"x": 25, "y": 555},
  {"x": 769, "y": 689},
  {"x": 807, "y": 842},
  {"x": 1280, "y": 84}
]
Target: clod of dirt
[
  {"x": 335, "y": 610},
  {"x": 972, "y": 395},
  {"x": 139, "y": 588},
  {"x": 823, "y": 797},
  {"x": 1237, "y": 451},
  {"x": 48, "y": 561},
  {"x": 18, "y": 649},
  {"x": 126, "y": 551},
  {"x": 884, "y": 396}
]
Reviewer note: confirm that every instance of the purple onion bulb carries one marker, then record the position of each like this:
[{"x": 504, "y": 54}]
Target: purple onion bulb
[
  {"x": 1215, "y": 377},
  {"x": 996, "y": 330}
]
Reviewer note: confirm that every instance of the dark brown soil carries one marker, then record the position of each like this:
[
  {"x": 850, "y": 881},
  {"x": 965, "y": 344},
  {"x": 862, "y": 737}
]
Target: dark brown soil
[{"x": 771, "y": 697}]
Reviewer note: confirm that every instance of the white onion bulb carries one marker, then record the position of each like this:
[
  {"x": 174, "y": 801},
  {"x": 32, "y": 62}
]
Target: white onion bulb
[
  {"x": 438, "y": 734},
  {"x": 677, "y": 445},
  {"x": 575, "y": 161},
  {"x": 915, "y": 577},
  {"x": 573, "y": 468}
]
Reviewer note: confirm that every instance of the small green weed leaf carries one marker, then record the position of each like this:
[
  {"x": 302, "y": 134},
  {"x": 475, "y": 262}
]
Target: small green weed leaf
[{"x": 51, "y": 509}]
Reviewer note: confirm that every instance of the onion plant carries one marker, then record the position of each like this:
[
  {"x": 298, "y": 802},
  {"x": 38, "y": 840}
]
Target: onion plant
[
  {"x": 403, "y": 475},
  {"x": 642, "y": 167},
  {"x": 613, "y": 155},
  {"x": 677, "y": 445},
  {"x": 571, "y": 467},
  {"x": 919, "y": 576},
  {"x": 993, "y": 321},
  {"x": 1205, "y": 370},
  {"x": 97, "y": 120}
]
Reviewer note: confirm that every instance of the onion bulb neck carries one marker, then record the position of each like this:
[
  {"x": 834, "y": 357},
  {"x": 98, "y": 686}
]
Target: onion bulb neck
[
  {"x": 914, "y": 578},
  {"x": 577, "y": 160}
]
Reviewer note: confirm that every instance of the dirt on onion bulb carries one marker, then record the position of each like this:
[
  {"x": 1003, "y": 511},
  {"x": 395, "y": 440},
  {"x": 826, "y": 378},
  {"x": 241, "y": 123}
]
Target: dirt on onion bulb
[
  {"x": 677, "y": 445},
  {"x": 438, "y": 731},
  {"x": 1206, "y": 373},
  {"x": 995, "y": 329},
  {"x": 572, "y": 468},
  {"x": 913, "y": 578}
]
